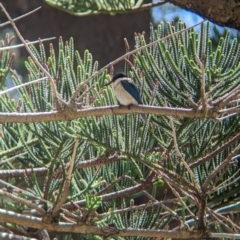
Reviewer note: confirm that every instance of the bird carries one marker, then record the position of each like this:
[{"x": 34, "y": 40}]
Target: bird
[{"x": 125, "y": 90}]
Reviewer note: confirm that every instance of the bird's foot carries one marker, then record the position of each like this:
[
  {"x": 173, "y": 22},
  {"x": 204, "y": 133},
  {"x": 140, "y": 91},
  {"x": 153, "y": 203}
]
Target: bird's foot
[
  {"x": 129, "y": 106},
  {"x": 121, "y": 106}
]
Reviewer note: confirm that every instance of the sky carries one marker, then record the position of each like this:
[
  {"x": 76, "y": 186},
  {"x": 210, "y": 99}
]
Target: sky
[{"x": 168, "y": 12}]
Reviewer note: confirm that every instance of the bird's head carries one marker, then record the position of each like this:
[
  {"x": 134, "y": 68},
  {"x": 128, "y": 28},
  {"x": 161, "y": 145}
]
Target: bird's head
[{"x": 116, "y": 76}]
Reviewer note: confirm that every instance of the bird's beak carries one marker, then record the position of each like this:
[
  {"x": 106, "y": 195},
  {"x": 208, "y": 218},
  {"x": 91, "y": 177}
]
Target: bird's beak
[{"x": 107, "y": 83}]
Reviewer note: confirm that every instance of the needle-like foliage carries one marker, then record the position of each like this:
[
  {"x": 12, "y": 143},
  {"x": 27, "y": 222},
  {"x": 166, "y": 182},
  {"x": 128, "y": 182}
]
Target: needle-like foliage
[
  {"x": 128, "y": 171},
  {"x": 83, "y": 7}
]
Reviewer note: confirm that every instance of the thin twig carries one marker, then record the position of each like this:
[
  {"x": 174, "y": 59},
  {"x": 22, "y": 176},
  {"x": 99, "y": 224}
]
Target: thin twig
[
  {"x": 217, "y": 219},
  {"x": 224, "y": 184},
  {"x": 28, "y": 43},
  {"x": 65, "y": 191},
  {"x": 174, "y": 191},
  {"x": 230, "y": 110},
  {"x": 70, "y": 214},
  {"x": 104, "y": 190},
  {"x": 57, "y": 100},
  {"x": 181, "y": 187},
  {"x": 127, "y": 47},
  {"x": 169, "y": 210},
  {"x": 17, "y": 199},
  {"x": 222, "y": 167},
  {"x": 12, "y": 158},
  {"x": 192, "y": 103},
  {"x": 113, "y": 195},
  {"x": 214, "y": 88},
  {"x": 128, "y": 62},
  {"x": 22, "y": 85},
  {"x": 149, "y": 196},
  {"x": 4, "y": 183},
  {"x": 196, "y": 185},
  {"x": 227, "y": 116},
  {"x": 87, "y": 90},
  {"x": 211, "y": 155},
  {"x": 18, "y": 18},
  {"x": 177, "y": 180},
  {"x": 42, "y": 171},
  {"x": 143, "y": 206},
  {"x": 227, "y": 98},
  {"x": 229, "y": 222},
  {"x": 203, "y": 94},
  {"x": 235, "y": 101}
]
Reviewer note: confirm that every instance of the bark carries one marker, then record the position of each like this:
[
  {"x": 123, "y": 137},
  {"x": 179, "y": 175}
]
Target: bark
[{"x": 222, "y": 12}]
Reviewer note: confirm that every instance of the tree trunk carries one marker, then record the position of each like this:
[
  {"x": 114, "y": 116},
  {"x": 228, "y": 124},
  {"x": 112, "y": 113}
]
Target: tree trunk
[{"x": 222, "y": 12}]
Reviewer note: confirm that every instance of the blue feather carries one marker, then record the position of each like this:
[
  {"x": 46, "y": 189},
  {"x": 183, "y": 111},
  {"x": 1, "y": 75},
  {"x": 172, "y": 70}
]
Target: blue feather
[{"x": 132, "y": 90}]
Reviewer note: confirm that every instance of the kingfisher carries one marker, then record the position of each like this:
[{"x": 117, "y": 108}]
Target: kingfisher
[{"x": 125, "y": 90}]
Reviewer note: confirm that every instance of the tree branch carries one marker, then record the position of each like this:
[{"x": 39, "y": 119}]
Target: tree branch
[
  {"x": 224, "y": 12},
  {"x": 68, "y": 114},
  {"x": 34, "y": 222},
  {"x": 42, "y": 171}
]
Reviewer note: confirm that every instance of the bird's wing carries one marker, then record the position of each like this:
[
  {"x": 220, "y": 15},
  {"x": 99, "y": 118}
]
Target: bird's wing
[{"x": 131, "y": 88}]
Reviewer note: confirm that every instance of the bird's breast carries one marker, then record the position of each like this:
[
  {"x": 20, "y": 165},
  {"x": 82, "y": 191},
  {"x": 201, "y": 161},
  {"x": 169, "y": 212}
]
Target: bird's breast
[{"x": 124, "y": 97}]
